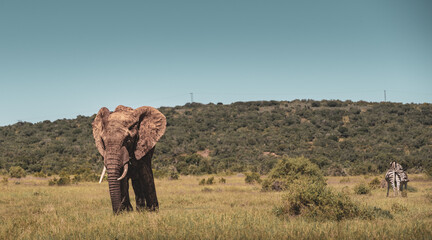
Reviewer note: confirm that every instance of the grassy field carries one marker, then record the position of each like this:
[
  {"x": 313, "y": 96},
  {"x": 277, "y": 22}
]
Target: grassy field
[{"x": 235, "y": 210}]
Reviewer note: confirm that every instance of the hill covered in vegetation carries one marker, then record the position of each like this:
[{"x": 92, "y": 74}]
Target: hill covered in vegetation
[{"x": 340, "y": 137}]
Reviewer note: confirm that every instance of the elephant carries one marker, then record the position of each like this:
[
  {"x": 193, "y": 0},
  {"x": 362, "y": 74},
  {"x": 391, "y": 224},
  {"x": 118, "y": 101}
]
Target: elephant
[{"x": 126, "y": 139}]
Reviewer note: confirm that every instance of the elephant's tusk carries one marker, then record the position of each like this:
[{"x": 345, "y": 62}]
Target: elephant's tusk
[
  {"x": 102, "y": 175},
  {"x": 126, "y": 166}
]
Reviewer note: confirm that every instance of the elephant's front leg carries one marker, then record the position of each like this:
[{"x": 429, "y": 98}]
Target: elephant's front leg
[
  {"x": 125, "y": 201},
  {"x": 149, "y": 188},
  {"x": 139, "y": 193}
]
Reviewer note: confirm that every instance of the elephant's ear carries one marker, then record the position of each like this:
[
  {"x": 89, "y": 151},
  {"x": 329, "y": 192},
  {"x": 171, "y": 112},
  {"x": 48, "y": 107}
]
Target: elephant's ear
[
  {"x": 152, "y": 124},
  {"x": 98, "y": 127}
]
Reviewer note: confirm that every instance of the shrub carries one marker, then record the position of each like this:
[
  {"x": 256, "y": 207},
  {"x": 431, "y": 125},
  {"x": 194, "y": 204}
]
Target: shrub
[
  {"x": 362, "y": 188},
  {"x": 375, "y": 183},
  {"x": 210, "y": 181},
  {"x": 364, "y": 169},
  {"x": 17, "y": 172},
  {"x": 287, "y": 170},
  {"x": 88, "y": 176},
  {"x": 76, "y": 179},
  {"x": 319, "y": 202},
  {"x": 222, "y": 180},
  {"x": 159, "y": 173},
  {"x": 316, "y": 104},
  {"x": 202, "y": 182},
  {"x": 334, "y": 103},
  {"x": 252, "y": 177},
  {"x": 40, "y": 174},
  {"x": 336, "y": 170},
  {"x": 52, "y": 182},
  {"x": 3, "y": 171},
  {"x": 62, "y": 181},
  {"x": 173, "y": 176}
]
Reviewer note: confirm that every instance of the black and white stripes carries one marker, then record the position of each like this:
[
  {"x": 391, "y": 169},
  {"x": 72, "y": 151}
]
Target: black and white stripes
[{"x": 396, "y": 177}]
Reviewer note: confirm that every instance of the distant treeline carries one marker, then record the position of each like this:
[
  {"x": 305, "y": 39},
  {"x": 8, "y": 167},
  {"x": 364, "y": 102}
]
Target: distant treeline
[{"x": 341, "y": 137}]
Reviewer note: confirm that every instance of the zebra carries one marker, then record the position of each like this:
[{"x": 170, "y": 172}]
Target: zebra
[
  {"x": 404, "y": 180},
  {"x": 397, "y": 177}
]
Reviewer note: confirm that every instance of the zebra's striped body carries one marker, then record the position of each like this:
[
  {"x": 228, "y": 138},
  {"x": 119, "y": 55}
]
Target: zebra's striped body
[
  {"x": 394, "y": 179},
  {"x": 397, "y": 178},
  {"x": 404, "y": 180}
]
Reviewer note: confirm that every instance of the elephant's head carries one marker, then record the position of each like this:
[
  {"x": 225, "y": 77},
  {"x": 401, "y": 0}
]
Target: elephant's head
[{"x": 123, "y": 134}]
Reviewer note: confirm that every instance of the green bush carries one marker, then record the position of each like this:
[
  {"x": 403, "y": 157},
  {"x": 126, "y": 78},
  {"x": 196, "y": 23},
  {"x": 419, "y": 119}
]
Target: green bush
[
  {"x": 40, "y": 174},
  {"x": 202, "y": 182},
  {"x": 62, "y": 181},
  {"x": 17, "y": 172},
  {"x": 174, "y": 176},
  {"x": 362, "y": 188},
  {"x": 375, "y": 183},
  {"x": 335, "y": 170},
  {"x": 52, "y": 182},
  {"x": 3, "y": 171},
  {"x": 287, "y": 170},
  {"x": 160, "y": 173},
  {"x": 252, "y": 177},
  {"x": 76, "y": 179},
  {"x": 319, "y": 202},
  {"x": 89, "y": 176},
  {"x": 210, "y": 181}
]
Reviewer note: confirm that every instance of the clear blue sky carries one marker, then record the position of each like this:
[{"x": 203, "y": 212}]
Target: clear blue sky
[{"x": 60, "y": 59}]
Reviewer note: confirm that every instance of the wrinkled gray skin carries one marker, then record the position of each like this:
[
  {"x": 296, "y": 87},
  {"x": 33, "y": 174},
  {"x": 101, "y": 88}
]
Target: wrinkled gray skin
[{"x": 126, "y": 139}]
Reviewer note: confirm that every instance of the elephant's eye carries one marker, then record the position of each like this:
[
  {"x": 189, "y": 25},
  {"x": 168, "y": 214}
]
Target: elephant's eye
[{"x": 132, "y": 126}]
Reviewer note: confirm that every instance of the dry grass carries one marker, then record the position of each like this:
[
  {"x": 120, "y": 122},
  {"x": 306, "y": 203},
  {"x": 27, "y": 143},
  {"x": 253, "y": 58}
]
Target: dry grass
[{"x": 235, "y": 210}]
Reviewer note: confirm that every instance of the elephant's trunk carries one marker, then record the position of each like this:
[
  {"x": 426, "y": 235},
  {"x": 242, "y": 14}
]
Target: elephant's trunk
[{"x": 113, "y": 170}]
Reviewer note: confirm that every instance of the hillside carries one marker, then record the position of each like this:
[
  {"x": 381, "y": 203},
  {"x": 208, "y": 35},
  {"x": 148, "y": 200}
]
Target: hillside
[{"x": 357, "y": 137}]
